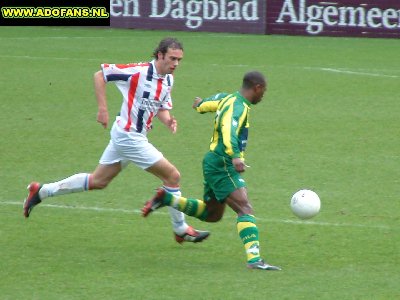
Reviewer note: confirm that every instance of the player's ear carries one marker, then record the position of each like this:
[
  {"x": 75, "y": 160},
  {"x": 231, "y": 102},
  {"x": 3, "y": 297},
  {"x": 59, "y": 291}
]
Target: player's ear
[{"x": 160, "y": 55}]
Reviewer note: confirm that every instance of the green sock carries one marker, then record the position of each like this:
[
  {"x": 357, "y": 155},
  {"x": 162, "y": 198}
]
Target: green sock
[
  {"x": 248, "y": 233},
  {"x": 189, "y": 206},
  {"x": 168, "y": 198}
]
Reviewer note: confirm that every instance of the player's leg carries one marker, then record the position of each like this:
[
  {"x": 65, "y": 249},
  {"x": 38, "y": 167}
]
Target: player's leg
[
  {"x": 99, "y": 179},
  {"x": 209, "y": 211},
  {"x": 136, "y": 148},
  {"x": 170, "y": 177},
  {"x": 80, "y": 182},
  {"x": 109, "y": 167},
  {"x": 227, "y": 184},
  {"x": 247, "y": 229},
  {"x": 246, "y": 223}
]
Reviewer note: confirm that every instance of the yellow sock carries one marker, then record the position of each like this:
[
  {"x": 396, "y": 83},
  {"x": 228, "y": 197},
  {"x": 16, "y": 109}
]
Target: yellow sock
[
  {"x": 248, "y": 233},
  {"x": 190, "y": 206}
]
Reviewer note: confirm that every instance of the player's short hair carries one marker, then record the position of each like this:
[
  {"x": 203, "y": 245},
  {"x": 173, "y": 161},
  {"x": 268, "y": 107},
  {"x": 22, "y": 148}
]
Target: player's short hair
[
  {"x": 168, "y": 42},
  {"x": 253, "y": 78}
]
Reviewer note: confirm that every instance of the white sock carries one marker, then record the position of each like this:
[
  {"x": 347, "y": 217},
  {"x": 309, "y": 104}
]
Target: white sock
[
  {"x": 177, "y": 218},
  {"x": 75, "y": 183}
]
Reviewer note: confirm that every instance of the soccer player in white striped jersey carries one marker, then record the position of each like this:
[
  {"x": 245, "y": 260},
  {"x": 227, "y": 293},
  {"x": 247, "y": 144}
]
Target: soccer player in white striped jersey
[{"x": 146, "y": 90}]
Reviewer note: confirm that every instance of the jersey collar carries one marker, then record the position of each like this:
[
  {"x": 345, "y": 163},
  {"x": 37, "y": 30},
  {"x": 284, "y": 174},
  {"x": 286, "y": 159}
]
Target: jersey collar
[
  {"x": 153, "y": 62},
  {"x": 243, "y": 99}
]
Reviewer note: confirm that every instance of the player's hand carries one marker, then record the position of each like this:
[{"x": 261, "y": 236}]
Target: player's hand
[
  {"x": 173, "y": 126},
  {"x": 239, "y": 164},
  {"x": 196, "y": 102},
  {"x": 102, "y": 117}
]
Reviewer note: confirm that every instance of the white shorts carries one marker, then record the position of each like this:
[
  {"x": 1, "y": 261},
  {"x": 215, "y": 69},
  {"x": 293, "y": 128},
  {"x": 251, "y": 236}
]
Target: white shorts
[{"x": 129, "y": 146}]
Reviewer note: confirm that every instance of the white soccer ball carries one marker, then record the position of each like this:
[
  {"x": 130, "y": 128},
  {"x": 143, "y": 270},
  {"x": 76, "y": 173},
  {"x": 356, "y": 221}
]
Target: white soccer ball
[{"x": 305, "y": 204}]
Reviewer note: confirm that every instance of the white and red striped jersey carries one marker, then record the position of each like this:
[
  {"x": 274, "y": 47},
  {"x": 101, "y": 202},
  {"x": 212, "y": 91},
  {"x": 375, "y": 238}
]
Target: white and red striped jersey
[{"x": 144, "y": 92}]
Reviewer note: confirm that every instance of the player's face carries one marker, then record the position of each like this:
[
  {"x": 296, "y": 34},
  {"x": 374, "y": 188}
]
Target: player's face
[
  {"x": 259, "y": 91},
  {"x": 168, "y": 62}
]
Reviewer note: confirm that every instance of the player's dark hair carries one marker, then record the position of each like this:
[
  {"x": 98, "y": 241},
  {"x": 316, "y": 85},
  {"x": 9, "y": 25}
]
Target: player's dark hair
[
  {"x": 253, "y": 78},
  {"x": 168, "y": 42}
]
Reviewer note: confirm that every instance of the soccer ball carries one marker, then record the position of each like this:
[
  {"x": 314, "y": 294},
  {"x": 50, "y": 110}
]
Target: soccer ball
[{"x": 305, "y": 204}]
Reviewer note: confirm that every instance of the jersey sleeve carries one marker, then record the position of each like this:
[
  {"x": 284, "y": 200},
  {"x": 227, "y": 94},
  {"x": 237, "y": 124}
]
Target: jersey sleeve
[
  {"x": 210, "y": 104},
  {"x": 118, "y": 72}
]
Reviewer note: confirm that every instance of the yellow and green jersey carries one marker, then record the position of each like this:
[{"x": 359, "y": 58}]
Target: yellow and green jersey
[{"x": 231, "y": 123}]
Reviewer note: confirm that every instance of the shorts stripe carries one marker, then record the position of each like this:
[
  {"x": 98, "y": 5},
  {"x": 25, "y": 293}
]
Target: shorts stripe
[{"x": 227, "y": 172}]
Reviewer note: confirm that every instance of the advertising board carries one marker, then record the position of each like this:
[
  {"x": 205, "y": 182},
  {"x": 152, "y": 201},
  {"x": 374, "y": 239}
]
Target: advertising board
[
  {"x": 369, "y": 18},
  {"x": 244, "y": 16}
]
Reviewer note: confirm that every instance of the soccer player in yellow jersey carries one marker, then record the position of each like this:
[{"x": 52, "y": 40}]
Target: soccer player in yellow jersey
[{"x": 223, "y": 165}]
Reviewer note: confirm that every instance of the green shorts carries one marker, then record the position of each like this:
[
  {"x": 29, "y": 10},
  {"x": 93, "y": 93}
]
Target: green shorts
[{"x": 220, "y": 177}]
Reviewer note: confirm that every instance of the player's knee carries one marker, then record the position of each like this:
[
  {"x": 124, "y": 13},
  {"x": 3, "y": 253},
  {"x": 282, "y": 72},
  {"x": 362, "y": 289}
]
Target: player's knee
[{"x": 214, "y": 217}]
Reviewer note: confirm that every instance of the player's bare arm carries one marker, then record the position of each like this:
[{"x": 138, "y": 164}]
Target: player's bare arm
[
  {"x": 100, "y": 91},
  {"x": 165, "y": 117}
]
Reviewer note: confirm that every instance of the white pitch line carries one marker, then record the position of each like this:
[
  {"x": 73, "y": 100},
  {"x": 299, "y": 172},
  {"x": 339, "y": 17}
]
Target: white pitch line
[
  {"x": 308, "y": 222},
  {"x": 52, "y": 37},
  {"x": 137, "y": 211},
  {"x": 352, "y": 72},
  {"x": 342, "y": 71},
  {"x": 46, "y": 58},
  {"x": 234, "y": 65},
  {"x": 92, "y": 208}
]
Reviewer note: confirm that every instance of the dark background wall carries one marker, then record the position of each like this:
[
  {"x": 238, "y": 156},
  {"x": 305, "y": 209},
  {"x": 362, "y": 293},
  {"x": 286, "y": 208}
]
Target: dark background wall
[{"x": 371, "y": 18}]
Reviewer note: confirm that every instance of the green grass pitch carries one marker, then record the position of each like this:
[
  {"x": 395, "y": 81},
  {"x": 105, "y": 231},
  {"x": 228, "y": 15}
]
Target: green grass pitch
[{"x": 330, "y": 122}]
